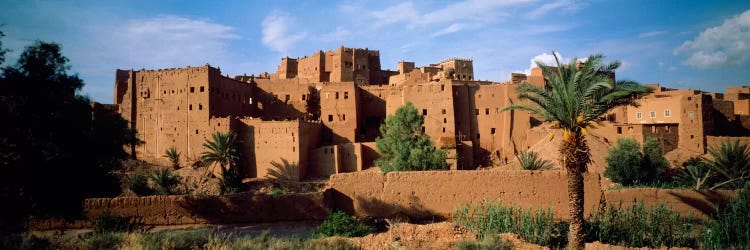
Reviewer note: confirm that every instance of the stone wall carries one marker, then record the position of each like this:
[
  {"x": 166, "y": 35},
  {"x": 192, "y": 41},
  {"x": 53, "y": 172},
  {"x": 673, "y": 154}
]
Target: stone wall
[{"x": 435, "y": 194}]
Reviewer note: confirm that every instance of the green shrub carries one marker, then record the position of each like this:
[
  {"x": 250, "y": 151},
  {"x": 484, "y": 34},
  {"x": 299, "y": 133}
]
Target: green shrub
[
  {"x": 530, "y": 161},
  {"x": 174, "y": 157},
  {"x": 639, "y": 226},
  {"x": 628, "y": 165},
  {"x": 731, "y": 163},
  {"x": 193, "y": 239},
  {"x": 138, "y": 183},
  {"x": 404, "y": 146},
  {"x": 340, "y": 224},
  {"x": 695, "y": 174},
  {"x": 284, "y": 170},
  {"x": 107, "y": 222},
  {"x": 231, "y": 181},
  {"x": 25, "y": 241},
  {"x": 165, "y": 181},
  {"x": 109, "y": 240},
  {"x": 489, "y": 243},
  {"x": 277, "y": 192},
  {"x": 731, "y": 228},
  {"x": 488, "y": 219}
]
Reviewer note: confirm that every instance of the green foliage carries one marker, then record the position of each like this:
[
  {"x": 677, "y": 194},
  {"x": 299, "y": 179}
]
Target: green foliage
[
  {"x": 222, "y": 149},
  {"x": 97, "y": 241},
  {"x": 107, "y": 222},
  {"x": 628, "y": 165},
  {"x": 231, "y": 181},
  {"x": 696, "y": 174},
  {"x": 488, "y": 219},
  {"x": 530, "y": 161},
  {"x": 731, "y": 163},
  {"x": 312, "y": 103},
  {"x": 340, "y": 224},
  {"x": 173, "y": 156},
  {"x": 731, "y": 228},
  {"x": 192, "y": 239},
  {"x": 277, "y": 192},
  {"x": 639, "y": 226},
  {"x": 488, "y": 243},
  {"x": 138, "y": 183},
  {"x": 404, "y": 147},
  {"x": 165, "y": 181},
  {"x": 284, "y": 170},
  {"x": 25, "y": 241},
  {"x": 50, "y": 136}
]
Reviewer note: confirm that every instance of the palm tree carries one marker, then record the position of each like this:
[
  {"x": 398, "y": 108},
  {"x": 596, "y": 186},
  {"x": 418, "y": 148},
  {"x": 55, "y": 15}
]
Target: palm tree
[
  {"x": 576, "y": 96},
  {"x": 173, "y": 157},
  {"x": 222, "y": 150}
]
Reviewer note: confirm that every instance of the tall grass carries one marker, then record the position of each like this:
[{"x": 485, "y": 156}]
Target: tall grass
[
  {"x": 731, "y": 229},
  {"x": 639, "y": 226},
  {"x": 487, "y": 219}
]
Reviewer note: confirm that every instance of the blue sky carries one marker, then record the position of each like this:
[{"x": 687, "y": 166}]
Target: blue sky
[{"x": 681, "y": 44}]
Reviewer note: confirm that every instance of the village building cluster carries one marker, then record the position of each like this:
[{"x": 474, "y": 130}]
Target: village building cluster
[{"x": 322, "y": 112}]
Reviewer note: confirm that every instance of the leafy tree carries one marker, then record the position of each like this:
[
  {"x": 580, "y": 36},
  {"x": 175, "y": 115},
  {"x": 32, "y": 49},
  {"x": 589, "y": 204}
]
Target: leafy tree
[
  {"x": 404, "y": 147},
  {"x": 530, "y": 161},
  {"x": 627, "y": 164},
  {"x": 165, "y": 181},
  {"x": 312, "y": 103},
  {"x": 56, "y": 148},
  {"x": 654, "y": 161},
  {"x": 173, "y": 157},
  {"x": 222, "y": 150},
  {"x": 576, "y": 96}
]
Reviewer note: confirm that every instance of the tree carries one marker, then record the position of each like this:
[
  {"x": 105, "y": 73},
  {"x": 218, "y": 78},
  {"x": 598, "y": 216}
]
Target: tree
[
  {"x": 56, "y": 148},
  {"x": 731, "y": 163},
  {"x": 174, "y": 156},
  {"x": 404, "y": 147},
  {"x": 312, "y": 103},
  {"x": 165, "y": 181},
  {"x": 577, "y": 95},
  {"x": 624, "y": 162},
  {"x": 223, "y": 150}
]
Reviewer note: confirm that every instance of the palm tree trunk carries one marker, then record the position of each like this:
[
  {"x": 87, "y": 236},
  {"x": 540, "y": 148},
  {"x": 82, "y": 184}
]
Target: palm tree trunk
[{"x": 575, "y": 157}]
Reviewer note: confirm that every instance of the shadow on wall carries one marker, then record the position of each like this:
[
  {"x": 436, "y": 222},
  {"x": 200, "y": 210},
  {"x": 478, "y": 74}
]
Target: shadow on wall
[
  {"x": 374, "y": 207},
  {"x": 706, "y": 202},
  {"x": 248, "y": 208}
]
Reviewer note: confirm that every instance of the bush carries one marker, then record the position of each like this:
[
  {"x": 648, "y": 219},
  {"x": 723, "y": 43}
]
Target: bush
[
  {"x": 340, "y": 224},
  {"x": 231, "y": 181},
  {"x": 639, "y": 226},
  {"x": 488, "y": 219},
  {"x": 174, "y": 157},
  {"x": 277, "y": 192},
  {"x": 489, "y": 243},
  {"x": 108, "y": 222},
  {"x": 138, "y": 183},
  {"x": 25, "y": 241},
  {"x": 530, "y": 161},
  {"x": 193, "y": 239},
  {"x": 165, "y": 181},
  {"x": 628, "y": 165},
  {"x": 108, "y": 240},
  {"x": 404, "y": 146},
  {"x": 731, "y": 228},
  {"x": 695, "y": 174}
]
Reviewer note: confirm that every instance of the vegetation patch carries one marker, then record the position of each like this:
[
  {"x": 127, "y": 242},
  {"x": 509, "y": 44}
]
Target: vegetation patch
[{"x": 339, "y": 223}]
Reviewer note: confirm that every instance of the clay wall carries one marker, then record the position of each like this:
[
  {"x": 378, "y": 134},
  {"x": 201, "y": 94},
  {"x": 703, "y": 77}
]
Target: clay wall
[
  {"x": 324, "y": 162},
  {"x": 276, "y": 141},
  {"x": 338, "y": 112},
  {"x": 716, "y": 141},
  {"x": 343, "y": 66},
  {"x": 693, "y": 113},
  {"x": 435, "y": 194},
  {"x": 372, "y": 110},
  {"x": 312, "y": 67},
  {"x": 413, "y": 77},
  {"x": 500, "y": 134},
  {"x": 350, "y": 157},
  {"x": 287, "y": 68},
  {"x": 463, "y": 68},
  {"x": 434, "y": 101},
  {"x": 689, "y": 203},
  {"x": 281, "y": 100},
  {"x": 229, "y": 97}
]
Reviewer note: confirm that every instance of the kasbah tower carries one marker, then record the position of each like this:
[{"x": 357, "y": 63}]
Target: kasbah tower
[{"x": 322, "y": 112}]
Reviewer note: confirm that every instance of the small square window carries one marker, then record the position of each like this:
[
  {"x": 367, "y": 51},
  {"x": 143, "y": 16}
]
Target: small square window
[
  {"x": 337, "y": 95},
  {"x": 192, "y": 89},
  {"x": 487, "y": 111},
  {"x": 200, "y": 106},
  {"x": 202, "y": 89},
  {"x": 443, "y": 111},
  {"x": 346, "y": 95},
  {"x": 653, "y": 114},
  {"x": 667, "y": 113},
  {"x": 492, "y": 131},
  {"x": 330, "y": 118},
  {"x": 190, "y": 107},
  {"x": 619, "y": 130},
  {"x": 424, "y": 111},
  {"x": 303, "y": 97},
  {"x": 343, "y": 117},
  {"x": 476, "y": 111},
  {"x": 638, "y": 115}
]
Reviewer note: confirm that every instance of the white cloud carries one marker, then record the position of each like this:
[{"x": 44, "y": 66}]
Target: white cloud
[
  {"x": 651, "y": 34},
  {"x": 168, "y": 41},
  {"x": 276, "y": 31},
  {"x": 469, "y": 11},
  {"x": 453, "y": 28},
  {"x": 566, "y": 5},
  {"x": 401, "y": 12},
  {"x": 728, "y": 44},
  {"x": 546, "y": 59},
  {"x": 339, "y": 34}
]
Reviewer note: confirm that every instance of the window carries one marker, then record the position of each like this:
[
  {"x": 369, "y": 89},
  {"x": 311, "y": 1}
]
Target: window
[
  {"x": 192, "y": 89},
  {"x": 443, "y": 129},
  {"x": 443, "y": 111},
  {"x": 337, "y": 95},
  {"x": 486, "y": 111},
  {"x": 442, "y": 87},
  {"x": 619, "y": 130},
  {"x": 691, "y": 115},
  {"x": 653, "y": 114},
  {"x": 638, "y": 115},
  {"x": 492, "y": 131},
  {"x": 346, "y": 95},
  {"x": 190, "y": 107},
  {"x": 343, "y": 117},
  {"x": 653, "y": 129},
  {"x": 424, "y": 111},
  {"x": 202, "y": 89},
  {"x": 423, "y": 129},
  {"x": 303, "y": 97},
  {"x": 476, "y": 111},
  {"x": 287, "y": 97},
  {"x": 667, "y": 113},
  {"x": 200, "y": 106},
  {"x": 330, "y": 118},
  {"x": 196, "y": 131},
  {"x": 250, "y": 100},
  {"x": 445, "y": 120},
  {"x": 666, "y": 129},
  {"x": 477, "y": 135}
]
